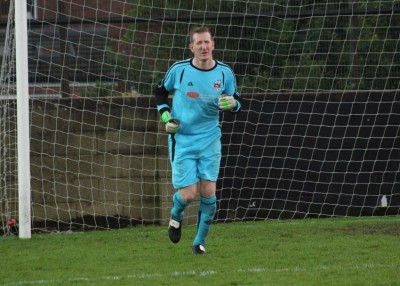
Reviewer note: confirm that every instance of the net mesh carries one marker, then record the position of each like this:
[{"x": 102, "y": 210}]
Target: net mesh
[{"x": 318, "y": 135}]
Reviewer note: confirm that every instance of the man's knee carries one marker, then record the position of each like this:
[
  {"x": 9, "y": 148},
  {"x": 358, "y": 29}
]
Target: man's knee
[{"x": 188, "y": 193}]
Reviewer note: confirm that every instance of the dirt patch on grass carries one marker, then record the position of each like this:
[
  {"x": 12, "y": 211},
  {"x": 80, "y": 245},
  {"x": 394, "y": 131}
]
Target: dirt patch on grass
[{"x": 386, "y": 229}]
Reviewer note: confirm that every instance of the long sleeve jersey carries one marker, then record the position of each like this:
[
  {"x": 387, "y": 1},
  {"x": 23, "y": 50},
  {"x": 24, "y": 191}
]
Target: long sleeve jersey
[{"x": 195, "y": 94}]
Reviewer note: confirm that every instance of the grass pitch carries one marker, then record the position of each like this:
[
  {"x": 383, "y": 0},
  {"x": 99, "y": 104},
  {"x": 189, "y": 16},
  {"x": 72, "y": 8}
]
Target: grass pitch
[{"x": 357, "y": 251}]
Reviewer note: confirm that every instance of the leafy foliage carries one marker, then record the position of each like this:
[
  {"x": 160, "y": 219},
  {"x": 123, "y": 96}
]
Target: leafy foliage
[{"x": 271, "y": 45}]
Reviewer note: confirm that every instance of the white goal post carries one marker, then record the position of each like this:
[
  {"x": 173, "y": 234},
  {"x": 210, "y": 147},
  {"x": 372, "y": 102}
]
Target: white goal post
[
  {"x": 319, "y": 134},
  {"x": 24, "y": 174}
]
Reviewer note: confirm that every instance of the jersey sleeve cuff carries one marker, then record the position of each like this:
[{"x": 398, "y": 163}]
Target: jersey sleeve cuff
[
  {"x": 238, "y": 107},
  {"x": 163, "y": 107}
]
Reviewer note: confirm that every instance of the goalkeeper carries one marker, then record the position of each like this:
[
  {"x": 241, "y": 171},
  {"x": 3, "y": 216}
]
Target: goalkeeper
[{"x": 201, "y": 86}]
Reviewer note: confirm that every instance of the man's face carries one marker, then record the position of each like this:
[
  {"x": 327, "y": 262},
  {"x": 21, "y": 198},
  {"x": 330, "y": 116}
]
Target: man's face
[{"x": 202, "y": 46}]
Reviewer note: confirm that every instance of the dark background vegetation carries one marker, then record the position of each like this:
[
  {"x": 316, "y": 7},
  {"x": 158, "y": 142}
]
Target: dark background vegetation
[{"x": 273, "y": 45}]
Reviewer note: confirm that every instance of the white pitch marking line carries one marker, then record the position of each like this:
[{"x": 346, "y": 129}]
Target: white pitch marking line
[{"x": 195, "y": 273}]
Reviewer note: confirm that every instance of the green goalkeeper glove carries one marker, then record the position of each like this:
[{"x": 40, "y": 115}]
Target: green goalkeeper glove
[
  {"x": 227, "y": 102},
  {"x": 171, "y": 124}
]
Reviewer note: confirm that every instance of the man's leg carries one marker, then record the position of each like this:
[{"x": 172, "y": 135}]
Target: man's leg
[
  {"x": 206, "y": 214},
  {"x": 181, "y": 200},
  {"x": 208, "y": 168},
  {"x": 178, "y": 208},
  {"x": 175, "y": 223}
]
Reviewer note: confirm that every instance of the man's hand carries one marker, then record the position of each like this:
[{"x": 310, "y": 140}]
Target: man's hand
[
  {"x": 227, "y": 102},
  {"x": 171, "y": 124}
]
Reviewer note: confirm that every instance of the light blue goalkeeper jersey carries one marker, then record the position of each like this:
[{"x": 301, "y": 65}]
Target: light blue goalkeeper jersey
[{"x": 196, "y": 93}]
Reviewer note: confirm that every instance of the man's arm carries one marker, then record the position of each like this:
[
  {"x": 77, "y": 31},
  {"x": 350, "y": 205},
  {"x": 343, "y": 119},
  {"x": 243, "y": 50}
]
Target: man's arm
[
  {"x": 230, "y": 99},
  {"x": 161, "y": 94},
  {"x": 238, "y": 99}
]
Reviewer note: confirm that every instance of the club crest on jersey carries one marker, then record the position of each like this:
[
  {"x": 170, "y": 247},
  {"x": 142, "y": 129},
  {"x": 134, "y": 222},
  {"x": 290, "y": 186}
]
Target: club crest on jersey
[
  {"x": 192, "y": 94},
  {"x": 217, "y": 85}
]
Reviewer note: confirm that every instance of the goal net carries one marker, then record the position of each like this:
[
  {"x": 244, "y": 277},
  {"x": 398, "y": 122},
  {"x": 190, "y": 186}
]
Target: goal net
[
  {"x": 319, "y": 134},
  {"x": 8, "y": 136}
]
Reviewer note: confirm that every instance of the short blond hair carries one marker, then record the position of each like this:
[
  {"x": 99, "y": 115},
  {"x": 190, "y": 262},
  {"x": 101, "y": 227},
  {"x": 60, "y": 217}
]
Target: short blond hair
[{"x": 199, "y": 30}]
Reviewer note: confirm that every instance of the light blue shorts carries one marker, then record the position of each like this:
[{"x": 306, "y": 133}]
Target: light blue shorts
[{"x": 194, "y": 157}]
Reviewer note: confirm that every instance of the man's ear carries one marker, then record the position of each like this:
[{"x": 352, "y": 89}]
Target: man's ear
[{"x": 191, "y": 47}]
